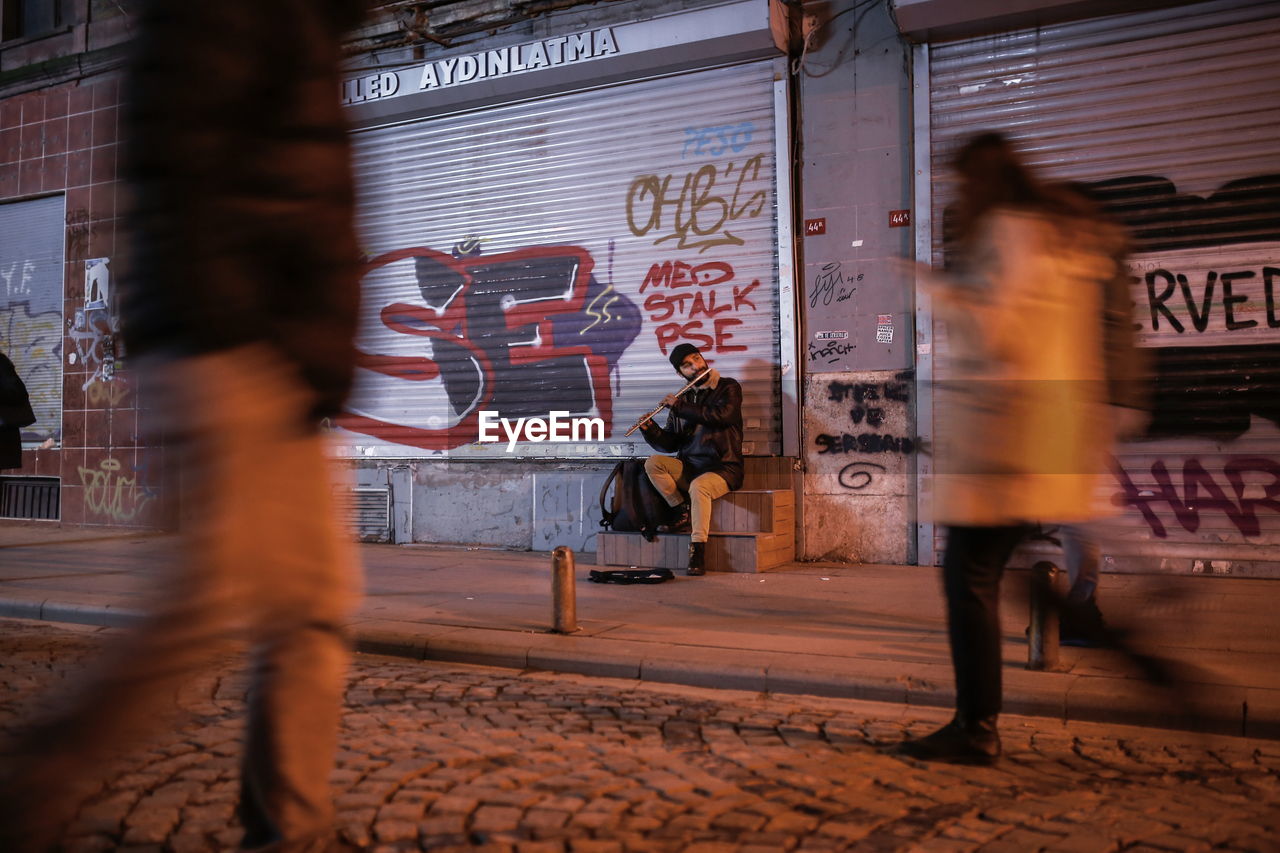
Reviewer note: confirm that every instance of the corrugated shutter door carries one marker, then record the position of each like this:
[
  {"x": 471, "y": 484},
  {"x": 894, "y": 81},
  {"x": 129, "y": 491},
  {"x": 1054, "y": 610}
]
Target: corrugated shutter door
[
  {"x": 1169, "y": 116},
  {"x": 541, "y": 256},
  {"x": 31, "y": 276}
]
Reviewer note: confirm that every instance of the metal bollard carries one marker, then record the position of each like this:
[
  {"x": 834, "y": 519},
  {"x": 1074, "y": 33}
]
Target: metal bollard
[
  {"x": 564, "y": 606},
  {"x": 1042, "y": 638}
]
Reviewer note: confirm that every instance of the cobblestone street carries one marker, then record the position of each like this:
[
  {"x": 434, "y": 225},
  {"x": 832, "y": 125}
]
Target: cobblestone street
[{"x": 449, "y": 757}]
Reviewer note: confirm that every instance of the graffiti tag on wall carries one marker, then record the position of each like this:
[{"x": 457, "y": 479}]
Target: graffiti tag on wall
[
  {"x": 832, "y": 285},
  {"x": 872, "y": 405},
  {"x": 519, "y": 332},
  {"x": 717, "y": 140},
  {"x": 696, "y": 209},
  {"x": 1251, "y": 483},
  {"x": 698, "y": 303},
  {"x": 111, "y": 494}
]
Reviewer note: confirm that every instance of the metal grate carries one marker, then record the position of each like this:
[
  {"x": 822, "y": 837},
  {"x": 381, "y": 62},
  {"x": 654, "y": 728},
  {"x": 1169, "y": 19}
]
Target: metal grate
[
  {"x": 368, "y": 512},
  {"x": 29, "y": 498}
]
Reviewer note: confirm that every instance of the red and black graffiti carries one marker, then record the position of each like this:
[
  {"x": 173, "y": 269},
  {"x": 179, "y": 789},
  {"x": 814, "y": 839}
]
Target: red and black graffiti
[{"x": 520, "y": 333}]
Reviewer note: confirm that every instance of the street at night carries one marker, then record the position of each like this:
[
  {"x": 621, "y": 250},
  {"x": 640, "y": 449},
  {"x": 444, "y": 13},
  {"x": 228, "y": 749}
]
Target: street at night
[
  {"x": 664, "y": 426},
  {"x": 452, "y": 757}
]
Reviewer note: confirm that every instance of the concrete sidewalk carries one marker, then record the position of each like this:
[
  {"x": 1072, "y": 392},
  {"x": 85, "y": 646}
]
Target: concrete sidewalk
[{"x": 866, "y": 632}]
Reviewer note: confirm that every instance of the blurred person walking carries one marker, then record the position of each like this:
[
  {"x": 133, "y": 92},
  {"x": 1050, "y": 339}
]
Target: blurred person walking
[
  {"x": 15, "y": 413},
  {"x": 1027, "y": 435},
  {"x": 240, "y": 315}
]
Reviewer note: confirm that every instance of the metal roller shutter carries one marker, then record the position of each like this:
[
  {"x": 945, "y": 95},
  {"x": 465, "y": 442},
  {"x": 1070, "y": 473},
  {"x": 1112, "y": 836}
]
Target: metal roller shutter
[
  {"x": 31, "y": 276},
  {"x": 542, "y": 256},
  {"x": 1170, "y": 117}
]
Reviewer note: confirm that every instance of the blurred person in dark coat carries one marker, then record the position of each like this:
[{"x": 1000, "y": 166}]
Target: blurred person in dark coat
[
  {"x": 240, "y": 316},
  {"x": 15, "y": 413},
  {"x": 1028, "y": 437}
]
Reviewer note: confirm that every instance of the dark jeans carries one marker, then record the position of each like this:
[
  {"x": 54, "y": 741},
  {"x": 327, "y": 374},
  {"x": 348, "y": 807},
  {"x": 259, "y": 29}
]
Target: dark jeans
[{"x": 971, "y": 568}]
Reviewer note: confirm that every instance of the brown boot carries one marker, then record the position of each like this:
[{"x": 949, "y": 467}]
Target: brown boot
[{"x": 697, "y": 559}]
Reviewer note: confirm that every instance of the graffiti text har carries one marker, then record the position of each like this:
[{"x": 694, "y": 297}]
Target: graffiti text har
[
  {"x": 1201, "y": 492},
  {"x": 695, "y": 209}
]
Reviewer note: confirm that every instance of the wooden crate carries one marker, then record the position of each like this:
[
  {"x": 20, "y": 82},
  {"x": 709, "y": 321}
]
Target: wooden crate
[
  {"x": 749, "y": 552},
  {"x": 667, "y": 551},
  {"x": 726, "y": 552},
  {"x": 754, "y": 511},
  {"x": 769, "y": 472}
]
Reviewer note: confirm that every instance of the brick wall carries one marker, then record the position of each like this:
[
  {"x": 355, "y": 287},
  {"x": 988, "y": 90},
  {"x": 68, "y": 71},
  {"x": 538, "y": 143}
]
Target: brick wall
[{"x": 65, "y": 140}]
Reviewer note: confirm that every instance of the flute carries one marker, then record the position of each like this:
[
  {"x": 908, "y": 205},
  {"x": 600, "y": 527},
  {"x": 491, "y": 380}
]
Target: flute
[{"x": 650, "y": 416}]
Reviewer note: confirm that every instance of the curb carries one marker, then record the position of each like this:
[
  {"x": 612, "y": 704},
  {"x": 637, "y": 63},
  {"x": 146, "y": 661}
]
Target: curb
[{"x": 1225, "y": 710}]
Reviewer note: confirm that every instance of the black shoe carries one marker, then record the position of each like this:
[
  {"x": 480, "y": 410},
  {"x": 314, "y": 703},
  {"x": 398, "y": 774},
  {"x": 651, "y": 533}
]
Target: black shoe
[
  {"x": 679, "y": 522},
  {"x": 956, "y": 743},
  {"x": 1082, "y": 625},
  {"x": 697, "y": 559}
]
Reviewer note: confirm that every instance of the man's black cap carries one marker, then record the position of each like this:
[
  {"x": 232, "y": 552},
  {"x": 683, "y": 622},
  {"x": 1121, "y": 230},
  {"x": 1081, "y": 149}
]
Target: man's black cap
[{"x": 680, "y": 353}]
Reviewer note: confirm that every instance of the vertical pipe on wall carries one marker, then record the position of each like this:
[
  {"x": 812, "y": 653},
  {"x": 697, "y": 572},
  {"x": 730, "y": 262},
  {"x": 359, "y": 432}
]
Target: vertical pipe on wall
[
  {"x": 923, "y": 205},
  {"x": 788, "y": 359}
]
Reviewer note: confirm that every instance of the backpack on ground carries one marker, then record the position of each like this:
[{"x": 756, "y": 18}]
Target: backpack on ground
[{"x": 636, "y": 506}]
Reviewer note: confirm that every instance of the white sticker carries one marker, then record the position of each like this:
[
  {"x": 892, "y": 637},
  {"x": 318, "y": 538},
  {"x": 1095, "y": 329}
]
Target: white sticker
[{"x": 884, "y": 334}]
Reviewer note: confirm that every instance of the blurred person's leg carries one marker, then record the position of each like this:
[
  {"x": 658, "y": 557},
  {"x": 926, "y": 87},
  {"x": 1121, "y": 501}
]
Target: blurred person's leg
[
  {"x": 1083, "y": 558},
  {"x": 262, "y": 561},
  {"x": 972, "y": 566},
  {"x": 1081, "y": 622},
  {"x": 971, "y": 569},
  {"x": 266, "y": 513}
]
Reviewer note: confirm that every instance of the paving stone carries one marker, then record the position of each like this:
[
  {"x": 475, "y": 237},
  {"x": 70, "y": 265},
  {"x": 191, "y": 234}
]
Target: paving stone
[
  {"x": 470, "y": 758},
  {"x": 395, "y": 830},
  {"x": 151, "y": 826},
  {"x": 495, "y": 818}
]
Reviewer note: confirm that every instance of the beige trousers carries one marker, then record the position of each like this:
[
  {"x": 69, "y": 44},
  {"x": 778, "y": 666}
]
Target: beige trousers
[
  {"x": 264, "y": 566},
  {"x": 667, "y": 473}
]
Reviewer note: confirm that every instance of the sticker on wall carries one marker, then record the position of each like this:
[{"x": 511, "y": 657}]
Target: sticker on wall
[
  {"x": 97, "y": 283},
  {"x": 831, "y": 336},
  {"x": 93, "y": 331},
  {"x": 884, "y": 328},
  {"x": 813, "y": 227}
]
